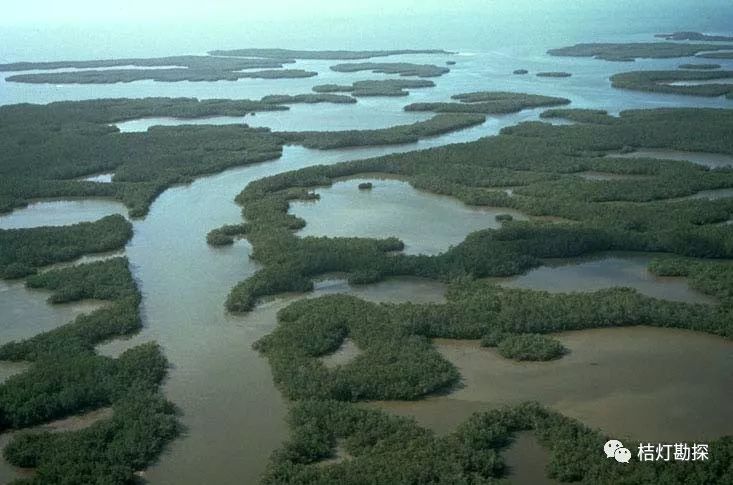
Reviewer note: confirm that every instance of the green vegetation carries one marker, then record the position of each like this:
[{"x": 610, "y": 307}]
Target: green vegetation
[
  {"x": 67, "y": 377},
  {"x": 489, "y": 102},
  {"x": 504, "y": 217},
  {"x": 340, "y": 55},
  {"x": 437, "y": 125},
  {"x": 717, "y": 55},
  {"x": 699, "y": 66},
  {"x": 385, "y": 87},
  {"x": 389, "y": 449},
  {"x": 714, "y": 278},
  {"x": 540, "y": 161},
  {"x": 401, "y": 68},
  {"x": 48, "y": 147},
  {"x": 697, "y": 36},
  {"x": 308, "y": 98},
  {"x": 520, "y": 71},
  {"x": 397, "y": 360},
  {"x": 530, "y": 346},
  {"x": 554, "y": 74},
  {"x": 632, "y": 51},
  {"x": 110, "y": 76},
  {"x": 365, "y": 186},
  {"x": 658, "y": 82},
  {"x": 22, "y": 251},
  {"x": 394, "y": 363},
  {"x": 194, "y": 63},
  {"x": 110, "y": 451}
]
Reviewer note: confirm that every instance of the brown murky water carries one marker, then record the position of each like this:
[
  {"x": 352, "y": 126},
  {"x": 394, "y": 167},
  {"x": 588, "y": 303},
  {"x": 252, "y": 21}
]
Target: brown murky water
[{"x": 628, "y": 382}]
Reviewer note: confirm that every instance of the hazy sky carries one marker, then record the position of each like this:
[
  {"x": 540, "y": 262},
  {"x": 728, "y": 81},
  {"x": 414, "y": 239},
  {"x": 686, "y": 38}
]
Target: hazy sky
[
  {"x": 81, "y": 11},
  {"x": 84, "y": 10},
  {"x": 85, "y": 29}
]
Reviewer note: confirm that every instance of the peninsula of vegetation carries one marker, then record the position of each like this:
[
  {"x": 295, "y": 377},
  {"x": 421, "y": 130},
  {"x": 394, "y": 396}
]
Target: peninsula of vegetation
[
  {"x": 618, "y": 214},
  {"x": 67, "y": 376},
  {"x": 47, "y": 147},
  {"x": 335, "y": 55},
  {"x": 668, "y": 82},
  {"x": 402, "y": 68},
  {"x": 489, "y": 102},
  {"x": 386, "y": 87},
  {"x": 696, "y": 36},
  {"x": 334, "y": 441},
  {"x": 195, "y": 63},
  {"x": 699, "y": 66},
  {"x": 220, "y": 65},
  {"x": 632, "y": 51},
  {"x": 111, "y": 76}
]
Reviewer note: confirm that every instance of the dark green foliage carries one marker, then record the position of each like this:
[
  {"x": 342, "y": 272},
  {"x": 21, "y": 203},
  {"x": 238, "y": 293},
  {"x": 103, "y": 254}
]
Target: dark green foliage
[
  {"x": 109, "y": 451},
  {"x": 382, "y": 449},
  {"x": 22, "y": 251},
  {"x": 339, "y": 55},
  {"x": 699, "y": 66},
  {"x": 397, "y": 362},
  {"x": 46, "y": 147},
  {"x": 308, "y": 98},
  {"x": 385, "y": 87},
  {"x": 539, "y": 160},
  {"x": 489, "y": 102},
  {"x": 554, "y": 74},
  {"x": 401, "y": 68},
  {"x": 195, "y": 63},
  {"x": 656, "y": 81},
  {"x": 393, "y": 364},
  {"x": 110, "y": 76},
  {"x": 530, "y": 346},
  {"x": 67, "y": 377},
  {"x": 224, "y": 236},
  {"x": 694, "y": 36},
  {"x": 631, "y": 51},
  {"x": 714, "y": 278},
  {"x": 595, "y": 116},
  {"x": 388, "y": 449},
  {"x": 716, "y": 55},
  {"x": 437, "y": 125},
  {"x": 520, "y": 71}
]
